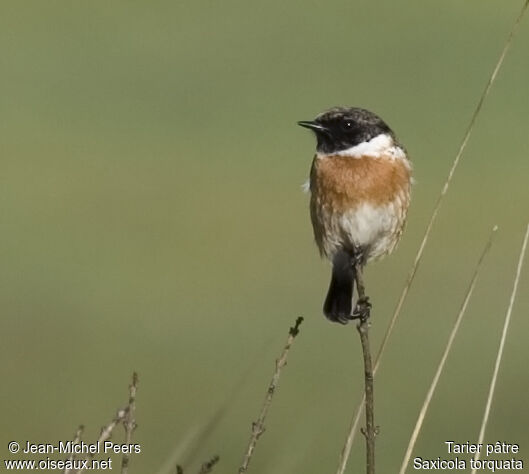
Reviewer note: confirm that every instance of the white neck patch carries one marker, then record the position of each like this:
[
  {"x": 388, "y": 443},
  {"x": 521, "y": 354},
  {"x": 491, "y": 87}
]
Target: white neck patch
[{"x": 381, "y": 145}]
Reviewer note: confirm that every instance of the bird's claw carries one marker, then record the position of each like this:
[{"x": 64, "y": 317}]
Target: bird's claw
[{"x": 362, "y": 309}]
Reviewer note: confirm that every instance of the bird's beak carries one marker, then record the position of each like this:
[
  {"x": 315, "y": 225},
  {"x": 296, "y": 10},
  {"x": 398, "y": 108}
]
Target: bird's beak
[{"x": 312, "y": 125}]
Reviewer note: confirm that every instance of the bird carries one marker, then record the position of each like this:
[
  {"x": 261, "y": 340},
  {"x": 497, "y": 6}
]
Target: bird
[{"x": 360, "y": 184}]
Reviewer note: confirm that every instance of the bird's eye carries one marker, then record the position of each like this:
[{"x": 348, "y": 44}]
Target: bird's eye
[{"x": 347, "y": 125}]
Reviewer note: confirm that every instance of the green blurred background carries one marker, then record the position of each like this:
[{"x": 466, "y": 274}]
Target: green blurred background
[{"x": 152, "y": 220}]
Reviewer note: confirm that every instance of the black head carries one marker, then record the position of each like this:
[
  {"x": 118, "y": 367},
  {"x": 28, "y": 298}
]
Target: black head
[{"x": 341, "y": 128}]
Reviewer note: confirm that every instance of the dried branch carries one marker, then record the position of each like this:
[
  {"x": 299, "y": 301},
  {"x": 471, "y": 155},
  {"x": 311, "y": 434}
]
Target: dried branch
[
  {"x": 363, "y": 310},
  {"x": 492, "y": 387},
  {"x": 106, "y": 432},
  {"x": 76, "y": 439},
  {"x": 129, "y": 421},
  {"x": 124, "y": 415},
  {"x": 258, "y": 426},
  {"x": 447, "y": 350},
  {"x": 207, "y": 467},
  {"x": 346, "y": 451}
]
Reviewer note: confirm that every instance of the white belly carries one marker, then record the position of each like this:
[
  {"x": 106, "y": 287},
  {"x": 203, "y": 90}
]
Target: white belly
[{"x": 374, "y": 228}]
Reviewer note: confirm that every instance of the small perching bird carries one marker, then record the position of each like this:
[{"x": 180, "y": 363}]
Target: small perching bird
[{"x": 360, "y": 184}]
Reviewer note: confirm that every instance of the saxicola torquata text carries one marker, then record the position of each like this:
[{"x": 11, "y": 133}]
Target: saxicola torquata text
[{"x": 360, "y": 184}]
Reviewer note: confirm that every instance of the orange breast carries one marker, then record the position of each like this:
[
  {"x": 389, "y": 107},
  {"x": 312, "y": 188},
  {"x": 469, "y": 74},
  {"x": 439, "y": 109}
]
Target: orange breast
[
  {"x": 343, "y": 182},
  {"x": 359, "y": 202}
]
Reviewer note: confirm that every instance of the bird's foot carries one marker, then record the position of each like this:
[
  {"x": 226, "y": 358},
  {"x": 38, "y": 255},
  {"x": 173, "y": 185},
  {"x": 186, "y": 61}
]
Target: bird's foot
[{"x": 362, "y": 309}]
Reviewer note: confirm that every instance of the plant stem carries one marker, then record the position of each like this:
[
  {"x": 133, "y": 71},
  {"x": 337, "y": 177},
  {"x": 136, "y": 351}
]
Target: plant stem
[
  {"x": 258, "y": 426},
  {"x": 370, "y": 431}
]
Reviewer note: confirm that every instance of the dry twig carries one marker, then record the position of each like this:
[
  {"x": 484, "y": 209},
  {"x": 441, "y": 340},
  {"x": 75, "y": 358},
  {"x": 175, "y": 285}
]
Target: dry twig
[
  {"x": 447, "y": 350},
  {"x": 370, "y": 431},
  {"x": 76, "y": 439},
  {"x": 129, "y": 422},
  {"x": 106, "y": 432},
  {"x": 207, "y": 467},
  {"x": 492, "y": 387},
  {"x": 258, "y": 426},
  {"x": 122, "y": 416},
  {"x": 346, "y": 451}
]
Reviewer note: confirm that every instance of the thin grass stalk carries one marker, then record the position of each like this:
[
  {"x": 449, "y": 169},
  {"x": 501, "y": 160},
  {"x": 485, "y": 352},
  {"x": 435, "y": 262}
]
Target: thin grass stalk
[
  {"x": 499, "y": 356},
  {"x": 190, "y": 437},
  {"x": 448, "y": 348},
  {"x": 219, "y": 414},
  {"x": 346, "y": 450}
]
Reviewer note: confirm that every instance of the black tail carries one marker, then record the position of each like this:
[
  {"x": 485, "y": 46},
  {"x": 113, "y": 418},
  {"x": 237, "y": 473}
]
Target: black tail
[{"x": 339, "y": 301}]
